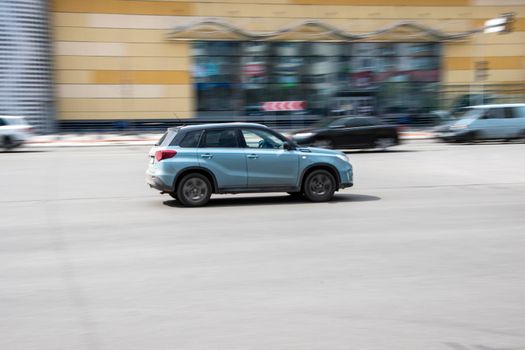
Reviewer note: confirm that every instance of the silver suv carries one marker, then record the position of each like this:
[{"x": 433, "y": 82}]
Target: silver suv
[
  {"x": 14, "y": 131},
  {"x": 487, "y": 122},
  {"x": 192, "y": 162}
]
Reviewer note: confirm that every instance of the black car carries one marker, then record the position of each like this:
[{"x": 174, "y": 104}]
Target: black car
[{"x": 348, "y": 132}]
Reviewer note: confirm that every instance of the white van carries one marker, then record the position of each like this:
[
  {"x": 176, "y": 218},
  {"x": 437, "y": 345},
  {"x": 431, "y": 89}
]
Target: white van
[
  {"x": 487, "y": 122},
  {"x": 14, "y": 131}
]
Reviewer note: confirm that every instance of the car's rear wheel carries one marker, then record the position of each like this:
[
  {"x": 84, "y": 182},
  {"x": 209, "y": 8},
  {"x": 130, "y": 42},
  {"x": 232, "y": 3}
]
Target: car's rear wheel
[
  {"x": 194, "y": 190},
  {"x": 384, "y": 142},
  {"x": 319, "y": 186},
  {"x": 7, "y": 143},
  {"x": 522, "y": 136}
]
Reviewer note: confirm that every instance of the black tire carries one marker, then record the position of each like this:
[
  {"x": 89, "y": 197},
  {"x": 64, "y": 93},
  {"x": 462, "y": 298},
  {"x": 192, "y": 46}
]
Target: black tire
[
  {"x": 319, "y": 186},
  {"x": 384, "y": 142},
  {"x": 7, "y": 143},
  {"x": 194, "y": 190},
  {"x": 473, "y": 137},
  {"x": 521, "y": 136}
]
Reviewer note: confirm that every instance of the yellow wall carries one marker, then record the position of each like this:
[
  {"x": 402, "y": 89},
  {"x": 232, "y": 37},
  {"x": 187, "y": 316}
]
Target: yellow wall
[{"x": 113, "y": 61}]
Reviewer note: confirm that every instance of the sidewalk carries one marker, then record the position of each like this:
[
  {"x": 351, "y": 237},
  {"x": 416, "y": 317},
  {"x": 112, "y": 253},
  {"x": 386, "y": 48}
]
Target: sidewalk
[{"x": 79, "y": 140}]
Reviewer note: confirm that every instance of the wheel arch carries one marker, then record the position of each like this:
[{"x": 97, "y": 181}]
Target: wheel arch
[
  {"x": 199, "y": 170},
  {"x": 320, "y": 166}
]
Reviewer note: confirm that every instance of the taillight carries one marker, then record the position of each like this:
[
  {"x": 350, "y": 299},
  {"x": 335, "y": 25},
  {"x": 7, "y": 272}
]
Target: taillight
[{"x": 165, "y": 154}]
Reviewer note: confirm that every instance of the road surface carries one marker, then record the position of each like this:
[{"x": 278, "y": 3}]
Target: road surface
[{"x": 427, "y": 251}]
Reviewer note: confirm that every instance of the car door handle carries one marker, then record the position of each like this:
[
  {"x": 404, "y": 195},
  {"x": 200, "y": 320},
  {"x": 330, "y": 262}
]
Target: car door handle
[
  {"x": 207, "y": 156},
  {"x": 252, "y": 156}
]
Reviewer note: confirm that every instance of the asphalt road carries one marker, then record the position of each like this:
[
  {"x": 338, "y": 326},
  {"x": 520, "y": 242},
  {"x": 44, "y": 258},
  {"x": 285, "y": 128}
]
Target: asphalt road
[{"x": 427, "y": 251}]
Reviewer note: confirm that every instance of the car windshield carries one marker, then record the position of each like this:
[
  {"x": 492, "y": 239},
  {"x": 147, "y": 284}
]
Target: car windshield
[
  {"x": 472, "y": 113},
  {"x": 324, "y": 122},
  {"x": 15, "y": 121}
]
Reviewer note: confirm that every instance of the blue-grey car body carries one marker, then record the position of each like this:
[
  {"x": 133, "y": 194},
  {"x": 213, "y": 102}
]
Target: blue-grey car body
[{"x": 242, "y": 169}]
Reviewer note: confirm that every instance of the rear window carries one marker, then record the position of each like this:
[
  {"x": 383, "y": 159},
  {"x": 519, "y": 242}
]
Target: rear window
[{"x": 167, "y": 137}]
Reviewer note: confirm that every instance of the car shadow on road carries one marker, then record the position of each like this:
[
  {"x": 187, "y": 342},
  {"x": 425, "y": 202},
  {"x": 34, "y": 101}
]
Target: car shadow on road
[
  {"x": 15, "y": 151},
  {"x": 364, "y": 151},
  {"x": 231, "y": 201}
]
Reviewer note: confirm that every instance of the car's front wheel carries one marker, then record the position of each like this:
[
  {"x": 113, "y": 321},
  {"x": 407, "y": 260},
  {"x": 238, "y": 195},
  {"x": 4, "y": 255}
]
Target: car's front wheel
[
  {"x": 319, "y": 186},
  {"x": 385, "y": 142},
  {"x": 194, "y": 190}
]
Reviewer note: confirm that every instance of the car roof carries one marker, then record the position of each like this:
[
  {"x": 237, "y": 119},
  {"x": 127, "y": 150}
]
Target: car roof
[
  {"x": 219, "y": 126},
  {"x": 499, "y": 105}
]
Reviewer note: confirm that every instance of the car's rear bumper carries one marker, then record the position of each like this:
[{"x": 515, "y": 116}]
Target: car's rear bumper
[
  {"x": 345, "y": 185},
  {"x": 155, "y": 182}
]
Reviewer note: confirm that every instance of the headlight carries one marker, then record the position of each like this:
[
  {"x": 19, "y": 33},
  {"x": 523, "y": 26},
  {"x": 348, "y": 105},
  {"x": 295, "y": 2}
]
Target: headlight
[
  {"x": 343, "y": 157},
  {"x": 303, "y": 135}
]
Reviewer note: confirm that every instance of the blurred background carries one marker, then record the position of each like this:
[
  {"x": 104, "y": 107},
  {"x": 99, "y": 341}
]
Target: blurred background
[{"x": 72, "y": 65}]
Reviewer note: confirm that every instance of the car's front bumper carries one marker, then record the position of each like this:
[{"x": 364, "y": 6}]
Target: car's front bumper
[
  {"x": 347, "y": 178},
  {"x": 455, "y": 136}
]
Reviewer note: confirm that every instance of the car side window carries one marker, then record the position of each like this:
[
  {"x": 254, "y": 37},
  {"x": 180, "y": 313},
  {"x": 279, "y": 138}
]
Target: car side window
[
  {"x": 509, "y": 113},
  {"x": 519, "y": 112},
  {"x": 356, "y": 122},
  {"x": 221, "y": 138},
  {"x": 338, "y": 123},
  {"x": 494, "y": 113},
  {"x": 191, "y": 139},
  {"x": 254, "y": 138},
  {"x": 2, "y": 122}
]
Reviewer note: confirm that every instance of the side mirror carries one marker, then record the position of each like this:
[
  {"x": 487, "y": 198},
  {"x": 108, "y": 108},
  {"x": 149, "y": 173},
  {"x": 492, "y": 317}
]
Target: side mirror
[{"x": 288, "y": 146}]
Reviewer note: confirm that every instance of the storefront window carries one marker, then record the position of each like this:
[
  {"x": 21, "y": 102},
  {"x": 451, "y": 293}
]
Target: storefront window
[{"x": 237, "y": 78}]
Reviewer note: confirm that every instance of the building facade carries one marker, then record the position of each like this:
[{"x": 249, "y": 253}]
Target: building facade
[
  {"x": 26, "y": 75},
  {"x": 126, "y": 60}
]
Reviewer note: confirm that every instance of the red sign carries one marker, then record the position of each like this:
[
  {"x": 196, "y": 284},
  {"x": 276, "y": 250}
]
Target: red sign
[
  {"x": 253, "y": 69},
  {"x": 274, "y": 106}
]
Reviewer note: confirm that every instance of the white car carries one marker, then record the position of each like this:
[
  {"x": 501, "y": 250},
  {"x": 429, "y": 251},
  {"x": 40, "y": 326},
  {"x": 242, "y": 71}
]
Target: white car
[
  {"x": 487, "y": 122},
  {"x": 14, "y": 131}
]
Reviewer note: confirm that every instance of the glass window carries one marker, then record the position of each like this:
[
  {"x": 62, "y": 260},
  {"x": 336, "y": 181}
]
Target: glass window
[
  {"x": 167, "y": 137},
  {"x": 254, "y": 138},
  {"x": 162, "y": 138},
  {"x": 2, "y": 122},
  {"x": 366, "y": 121},
  {"x": 191, "y": 139},
  {"x": 237, "y": 78},
  {"x": 509, "y": 113},
  {"x": 519, "y": 112},
  {"x": 223, "y": 138},
  {"x": 495, "y": 113}
]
